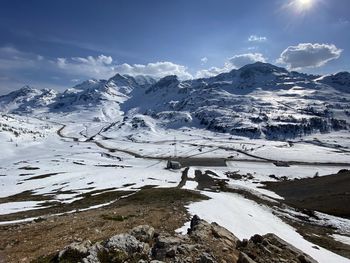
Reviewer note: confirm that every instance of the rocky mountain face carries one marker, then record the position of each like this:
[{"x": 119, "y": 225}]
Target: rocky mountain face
[
  {"x": 26, "y": 99},
  {"x": 258, "y": 100},
  {"x": 340, "y": 81},
  {"x": 204, "y": 243}
]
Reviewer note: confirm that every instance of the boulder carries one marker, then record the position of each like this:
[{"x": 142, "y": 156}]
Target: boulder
[
  {"x": 74, "y": 252},
  {"x": 270, "y": 248},
  {"x": 143, "y": 233},
  {"x": 244, "y": 258},
  {"x": 125, "y": 242},
  {"x": 206, "y": 258}
]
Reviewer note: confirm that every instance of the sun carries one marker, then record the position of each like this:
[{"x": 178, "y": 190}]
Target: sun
[{"x": 303, "y": 5}]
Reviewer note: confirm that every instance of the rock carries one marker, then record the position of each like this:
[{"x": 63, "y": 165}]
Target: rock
[
  {"x": 146, "y": 248},
  {"x": 125, "y": 242},
  {"x": 206, "y": 258},
  {"x": 143, "y": 233},
  {"x": 265, "y": 242},
  {"x": 194, "y": 221},
  {"x": 270, "y": 248},
  {"x": 244, "y": 258},
  {"x": 167, "y": 241},
  {"x": 166, "y": 246},
  {"x": 303, "y": 259},
  {"x": 242, "y": 243},
  {"x": 185, "y": 248},
  {"x": 94, "y": 252},
  {"x": 75, "y": 252},
  {"x": 204, "y": 243},
  {"x": 171, "y": 252},
  {"x": 256, "y": 239},
  {"x": 223, "y": 233}
]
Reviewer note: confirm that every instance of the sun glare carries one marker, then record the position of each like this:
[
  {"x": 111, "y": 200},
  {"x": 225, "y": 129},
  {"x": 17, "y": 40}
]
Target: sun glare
[
  {"x": 301, "y": 6},
  {"x": 305, "y": 4}
]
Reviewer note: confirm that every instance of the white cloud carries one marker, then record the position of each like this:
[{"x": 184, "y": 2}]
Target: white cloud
[
  {"x": 100, "y": 60},
  {"x": 248, "y": 58},
  {"x": 204, "y": 60},
  {"x": 234, "y": 62},
  {"x": 157, "y": 69},
  {"x": 255, "y": 38},
  {"x": 306, "y": 55},
  {"x": 39, "y": 57},
  {"x": 97, "y": 67},
  {"x": 103, "y": 67},
  {"x": 9, "y": 50},
  {"x": 18, "y": 68},
  {"x": 12, "y": 59},
  {"x": 61, "y": 62},
  {"x": 213, "y": 71}
]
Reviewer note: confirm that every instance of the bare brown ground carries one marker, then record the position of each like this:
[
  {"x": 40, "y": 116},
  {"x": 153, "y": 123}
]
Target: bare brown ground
[
  {"x": 328, "y": 194},
  {"x": 161, "y": 208}
]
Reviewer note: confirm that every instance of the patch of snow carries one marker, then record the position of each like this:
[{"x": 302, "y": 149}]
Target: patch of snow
[
  {"x": 191, "y": 185},
  {"x": 341, "y": 238},
  {"x": 14, "y": 207},
  {"x": 245, "y": 218}
]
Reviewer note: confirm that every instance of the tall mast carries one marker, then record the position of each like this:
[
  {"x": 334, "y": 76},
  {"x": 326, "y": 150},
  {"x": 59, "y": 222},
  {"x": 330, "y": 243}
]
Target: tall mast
[{"x": 175, "y": 149}]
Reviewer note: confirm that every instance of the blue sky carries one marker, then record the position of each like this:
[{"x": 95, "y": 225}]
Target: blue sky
[{"x": 56, "y": 44}]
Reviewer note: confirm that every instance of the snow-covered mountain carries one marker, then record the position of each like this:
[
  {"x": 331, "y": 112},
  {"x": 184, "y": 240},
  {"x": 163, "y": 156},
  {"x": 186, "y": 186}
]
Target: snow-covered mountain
[
  {"x": 257, "y": 100},
  {"x": 340, "y": 81},
  {"x": 26, "y": 99}
]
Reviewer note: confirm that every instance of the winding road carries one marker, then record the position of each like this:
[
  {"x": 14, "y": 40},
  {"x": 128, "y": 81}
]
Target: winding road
[{"x": 193, "y": 160}]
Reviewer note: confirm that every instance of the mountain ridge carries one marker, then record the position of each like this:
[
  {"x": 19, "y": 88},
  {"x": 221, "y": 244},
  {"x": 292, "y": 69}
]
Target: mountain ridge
[{"x": 257, "y": 100}]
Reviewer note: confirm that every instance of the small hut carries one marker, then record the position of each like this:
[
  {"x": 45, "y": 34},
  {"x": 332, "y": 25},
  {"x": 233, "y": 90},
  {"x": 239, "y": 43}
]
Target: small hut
[{"x": 173, "y": 165}]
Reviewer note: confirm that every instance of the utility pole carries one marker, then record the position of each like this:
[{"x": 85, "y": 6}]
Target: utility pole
[
  {"x": 175, "y": 149},
  {"x": 86, "y": 130}
]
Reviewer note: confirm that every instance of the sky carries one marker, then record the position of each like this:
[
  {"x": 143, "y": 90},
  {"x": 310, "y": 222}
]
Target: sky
[{"x": 58, "y": 44}]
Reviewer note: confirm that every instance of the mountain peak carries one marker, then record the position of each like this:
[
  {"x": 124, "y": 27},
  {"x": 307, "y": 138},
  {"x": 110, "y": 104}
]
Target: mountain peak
[
  {"x": 118, "y": 77},
  {"x": 28, "y": 89},
  {"x": 144, "y": 80},
  {"x": 25, "y": 91},
  {"x": 169, "y": 79},
  {"x": 166, "y": 82},
  {"x": 263, "y": 67},
  {"x": 87, "y": 84}
]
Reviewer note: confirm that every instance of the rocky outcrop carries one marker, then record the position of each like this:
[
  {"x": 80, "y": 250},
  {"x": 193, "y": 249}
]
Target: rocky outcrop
[
  {"x": 204, "y": 243},
  {"x": 270, "y": 248}
]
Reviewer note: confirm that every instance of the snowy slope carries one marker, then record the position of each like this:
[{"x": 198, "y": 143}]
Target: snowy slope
[{"x": 340, "y": 81}]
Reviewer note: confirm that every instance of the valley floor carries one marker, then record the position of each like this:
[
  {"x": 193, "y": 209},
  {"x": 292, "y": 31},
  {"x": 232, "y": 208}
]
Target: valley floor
[{"x": 61, "y": 181}]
